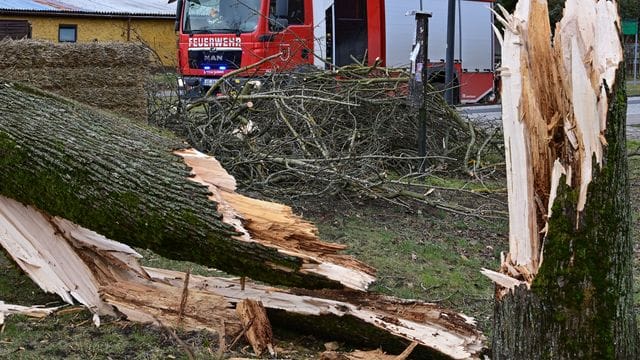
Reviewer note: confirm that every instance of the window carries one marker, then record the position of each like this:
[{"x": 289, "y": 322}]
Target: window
[
  {"x": 221, "y": 16},
  {"x": 15, "y": 29},
  {"x": 296, "y": 11},
  {"x": 68, "y": 33}
]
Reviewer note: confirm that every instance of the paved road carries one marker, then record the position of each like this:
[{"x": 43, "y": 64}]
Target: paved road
[
  {"x": 492, "y": 112},
  {"x": 633, "y": 111}
]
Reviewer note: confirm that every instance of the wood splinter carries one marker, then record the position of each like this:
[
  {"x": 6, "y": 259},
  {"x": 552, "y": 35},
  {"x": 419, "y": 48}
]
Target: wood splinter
[{"x": 257, "y": 328}]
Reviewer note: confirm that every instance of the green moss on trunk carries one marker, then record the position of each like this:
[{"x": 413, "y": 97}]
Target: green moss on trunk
[
  {"x": 580, "y": 303},
  {"x": 122, "y": 180}
]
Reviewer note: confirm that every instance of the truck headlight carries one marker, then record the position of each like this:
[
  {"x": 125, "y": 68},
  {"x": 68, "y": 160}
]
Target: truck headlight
[{"x": 180, "y": 83}]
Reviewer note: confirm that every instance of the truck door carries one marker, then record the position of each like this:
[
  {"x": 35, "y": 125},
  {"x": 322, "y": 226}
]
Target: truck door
[
  {"x": 295, "y": 42},
  {"x": 347, "y": 26}
]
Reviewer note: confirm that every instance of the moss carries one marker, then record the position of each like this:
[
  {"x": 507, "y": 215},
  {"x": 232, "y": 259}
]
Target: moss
[
  {"x": 580, "y": 303},
  {"x": 121, "y": 180},
  {"x": 584, "y": 260}
]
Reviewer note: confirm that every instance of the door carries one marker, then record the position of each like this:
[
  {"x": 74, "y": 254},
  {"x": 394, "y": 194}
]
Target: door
[
  {"x": 295, "y": 42},
  {"x": 349, "y": 37}
]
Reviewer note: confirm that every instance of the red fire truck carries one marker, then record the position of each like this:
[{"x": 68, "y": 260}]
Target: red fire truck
[{"x": 219, "y": 36}]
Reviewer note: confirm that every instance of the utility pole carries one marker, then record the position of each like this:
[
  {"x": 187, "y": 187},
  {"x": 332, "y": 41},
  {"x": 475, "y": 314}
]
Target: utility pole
[
  {"x": 418, "y": 85},
  {"x": 448, "y": 75}
]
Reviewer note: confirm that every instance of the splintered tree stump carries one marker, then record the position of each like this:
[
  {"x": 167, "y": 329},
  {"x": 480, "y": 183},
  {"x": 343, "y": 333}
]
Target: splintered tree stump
[
  {"x": 143, "y": 187},
  {"x": 564, "y": 290}
]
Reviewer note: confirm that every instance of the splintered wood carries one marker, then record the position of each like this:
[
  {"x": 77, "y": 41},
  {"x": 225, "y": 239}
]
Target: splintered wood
[
  {"x": 105, "y": 276},
  {"x": 554, "y": 111},
  {"x": 276, "y": 226},
  {"x": 31, "y": 311},
  {"x": 256, "y": 326}
]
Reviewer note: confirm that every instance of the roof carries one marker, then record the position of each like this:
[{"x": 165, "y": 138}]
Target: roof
[{"x": 90, "y": 7}]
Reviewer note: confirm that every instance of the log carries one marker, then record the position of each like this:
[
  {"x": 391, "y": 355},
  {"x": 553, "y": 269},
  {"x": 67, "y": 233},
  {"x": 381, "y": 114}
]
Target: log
[
  {"x": 143, "y": 187},
  {"x": 105, "y": 276},
  {"x": 564, "y": 290}
]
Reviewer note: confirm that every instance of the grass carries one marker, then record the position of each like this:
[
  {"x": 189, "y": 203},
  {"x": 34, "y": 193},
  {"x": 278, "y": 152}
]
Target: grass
[
  {"x": 73, "y": 336},
  {"x": 434, "y": 257},
  {"x": 633, "y": 89}
]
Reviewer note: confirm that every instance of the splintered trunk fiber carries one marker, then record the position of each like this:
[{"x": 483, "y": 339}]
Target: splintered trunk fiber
[
  {"x": 580, "y": 305},
  {"x": 565, "y": 287}
]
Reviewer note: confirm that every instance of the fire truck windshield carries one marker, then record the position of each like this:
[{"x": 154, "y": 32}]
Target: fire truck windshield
[{"x": 220, "y": 16}]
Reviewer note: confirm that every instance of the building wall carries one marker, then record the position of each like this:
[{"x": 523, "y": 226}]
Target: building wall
[{"x": 157, "y": 33}]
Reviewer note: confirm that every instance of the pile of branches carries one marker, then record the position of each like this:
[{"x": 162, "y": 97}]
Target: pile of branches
[
  {"x": 342, "y": 131},
  {"x": 107, "y": 75}
]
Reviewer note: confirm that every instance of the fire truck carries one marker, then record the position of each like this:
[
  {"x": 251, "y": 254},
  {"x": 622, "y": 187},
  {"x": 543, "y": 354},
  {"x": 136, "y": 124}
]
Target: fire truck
[{"x": 220, "y": 36}]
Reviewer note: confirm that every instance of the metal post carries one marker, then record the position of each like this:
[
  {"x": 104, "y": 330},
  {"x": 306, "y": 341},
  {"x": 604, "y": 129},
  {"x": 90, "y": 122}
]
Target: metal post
[
  {"x": 418, "y": 85},
  {"x": 448, "y": 70},
  {"x": 635, "y": 57},
  {"x": 459, "y": 29}
]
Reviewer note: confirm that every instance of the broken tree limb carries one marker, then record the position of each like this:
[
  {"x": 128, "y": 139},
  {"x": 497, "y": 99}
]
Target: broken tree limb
[
  {"x": 31, "y": 311},
  {"x": 123, "y": 180},
  {"x": 105, "y": 276},
  {"x": 357, "y": 317},
  {"x": 570, "y": 253}
]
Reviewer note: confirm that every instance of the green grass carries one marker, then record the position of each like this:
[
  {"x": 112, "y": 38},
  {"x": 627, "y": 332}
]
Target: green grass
[
  {"x": 433, "y": 257},
  {"x": 464, "y": 184},
  {"x": 633, "y": 89},
  {"x": 73, "y": 336}
]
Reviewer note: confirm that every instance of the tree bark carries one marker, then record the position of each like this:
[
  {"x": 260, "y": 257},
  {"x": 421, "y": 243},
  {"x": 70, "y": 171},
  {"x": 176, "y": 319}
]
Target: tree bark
[
  {"x": 565, "y": 288},
  {"x": 142, "y": 187}
]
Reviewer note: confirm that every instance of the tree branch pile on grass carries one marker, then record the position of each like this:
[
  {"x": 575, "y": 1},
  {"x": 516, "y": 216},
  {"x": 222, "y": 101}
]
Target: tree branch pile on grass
[
  {"x": 74, "y": 180},
  {"x": 109, "y": 76},
  {"x": 349, "y": 130}
]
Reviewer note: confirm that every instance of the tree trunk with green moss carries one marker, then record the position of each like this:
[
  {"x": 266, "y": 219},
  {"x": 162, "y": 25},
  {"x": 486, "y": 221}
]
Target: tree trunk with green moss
[
  {"x": 124, "y": 181},
  {"x": 565, "y": 289},
  {"x": 580, "y": 305}
]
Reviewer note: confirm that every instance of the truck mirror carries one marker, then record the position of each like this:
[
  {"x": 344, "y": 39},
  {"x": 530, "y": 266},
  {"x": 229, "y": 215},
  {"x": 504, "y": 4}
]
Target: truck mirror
[
  {"x": 282, "y": 9},
  {"x": 178, "y": 12}
]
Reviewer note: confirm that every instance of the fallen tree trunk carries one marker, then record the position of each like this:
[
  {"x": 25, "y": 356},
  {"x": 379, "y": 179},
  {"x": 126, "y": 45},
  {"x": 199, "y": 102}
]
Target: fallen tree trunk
[
  {"x": 79, "y": 264},
  {"x": 135, "y": 185},
  {"x": 565, "y": 287}
]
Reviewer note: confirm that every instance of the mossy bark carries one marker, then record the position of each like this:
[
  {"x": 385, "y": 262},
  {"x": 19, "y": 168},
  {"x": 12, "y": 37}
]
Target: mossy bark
[
  {"x": 580, "y": 305},
  {"x": 121, "y": 179}
]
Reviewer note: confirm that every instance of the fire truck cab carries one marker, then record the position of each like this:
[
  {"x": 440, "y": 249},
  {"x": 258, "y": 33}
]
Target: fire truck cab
[{"x": 219, "y": 36}]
